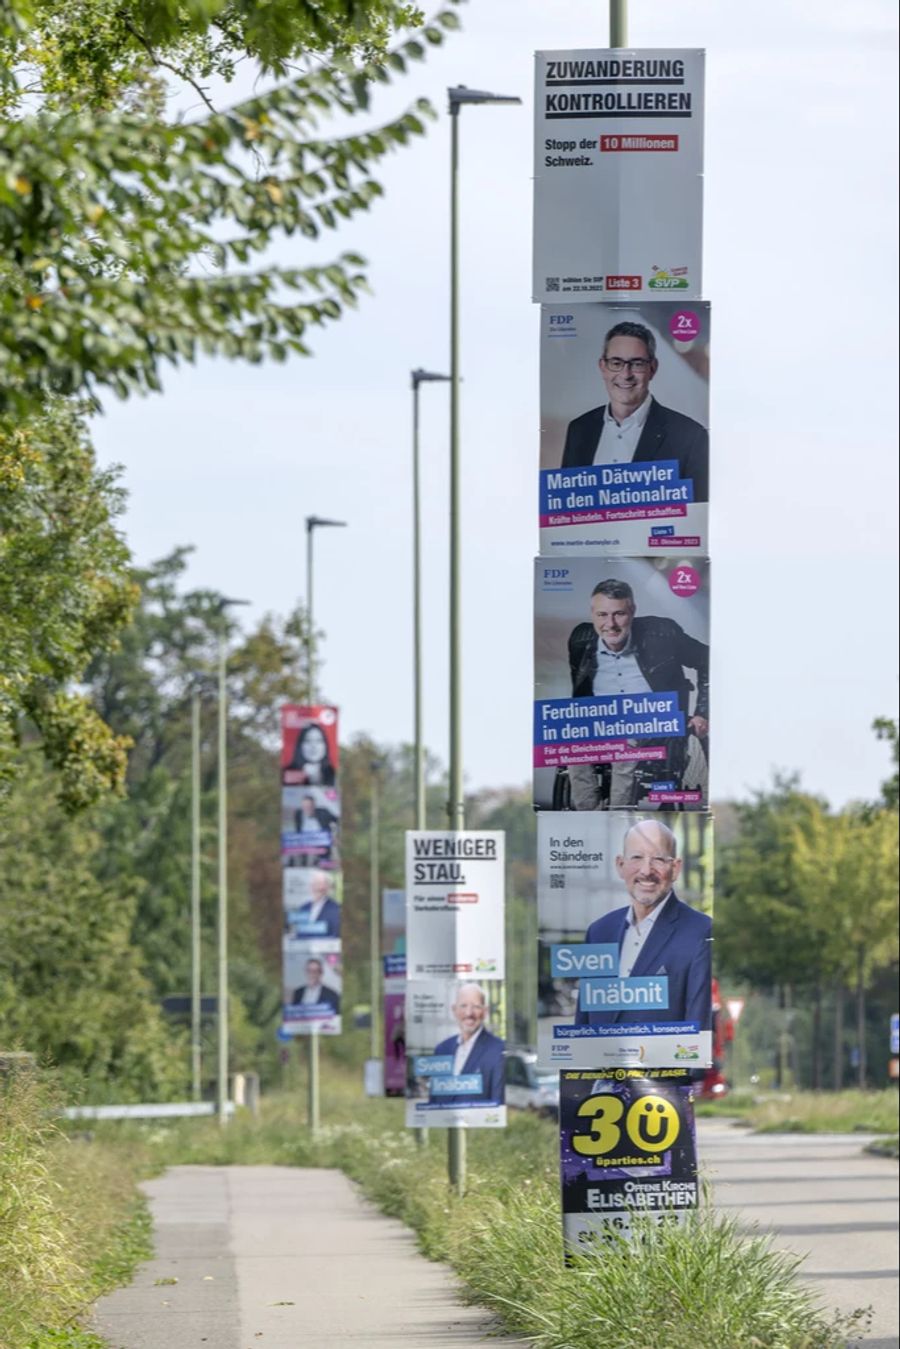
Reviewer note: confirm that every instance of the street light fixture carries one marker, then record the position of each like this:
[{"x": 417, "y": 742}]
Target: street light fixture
[
  {"x": 458, "y": 97},
  {"x": 418, "y": 377},
  {"x": 313, "y": 522},
  {"x": 222, "y": 961}
]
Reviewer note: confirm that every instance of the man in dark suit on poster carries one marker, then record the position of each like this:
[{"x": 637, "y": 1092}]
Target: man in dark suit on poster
[
  {"x": 632, "y": 427},
  {"x": 656, "y": 933},
  {"x": 474, "y": 1050}
]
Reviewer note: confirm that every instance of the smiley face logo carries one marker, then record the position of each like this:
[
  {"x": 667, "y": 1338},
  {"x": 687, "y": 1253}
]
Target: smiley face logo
[{"x": 653, "y": 1124}]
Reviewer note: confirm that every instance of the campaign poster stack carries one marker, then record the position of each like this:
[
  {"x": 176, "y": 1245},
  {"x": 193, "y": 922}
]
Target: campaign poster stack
[
  {"x": 455, "y": 973},
  {"x": 621, "y": 719},
  {"x": 393, "y": 1020},
  {"x": 311, "y": 871}
]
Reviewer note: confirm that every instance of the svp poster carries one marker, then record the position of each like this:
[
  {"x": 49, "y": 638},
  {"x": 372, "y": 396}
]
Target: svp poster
[
  {"x": 618, "y": 175},
  {"x": 621, "y": 709},
  {"x": 624, "y": 428},
  {"x": 625, "y": 939}
]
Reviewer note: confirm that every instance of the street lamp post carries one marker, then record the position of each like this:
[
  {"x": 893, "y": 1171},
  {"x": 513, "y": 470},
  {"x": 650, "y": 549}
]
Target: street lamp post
[
  {"x": 418, "y": 377},
  {"x": 374, "y": 917},
  {"x": 195, "y": 894},
  {"x": 458, "y": 97},
  {"x": 313, "y": 522},
  {"x": 618, "y": 23},
  {"x": 222, "y": 949}
]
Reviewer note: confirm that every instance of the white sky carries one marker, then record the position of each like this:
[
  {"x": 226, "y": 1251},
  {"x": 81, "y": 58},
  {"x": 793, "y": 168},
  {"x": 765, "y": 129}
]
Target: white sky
[{"x": 801, "y": 272}]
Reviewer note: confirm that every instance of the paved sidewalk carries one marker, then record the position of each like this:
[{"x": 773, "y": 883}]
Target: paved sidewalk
[
  {"x": 821, "y": 1196},
  {"x": 269, "y": 1257}
]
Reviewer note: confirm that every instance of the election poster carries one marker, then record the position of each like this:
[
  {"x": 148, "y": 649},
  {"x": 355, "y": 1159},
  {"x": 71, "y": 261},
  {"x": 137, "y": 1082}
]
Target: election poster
[
  {"x": 627, "y": 1150},
  {"x": 618, "y": 175},
  {"x": 624, "y": 428},
  {"x": 312, "y": 884},
  {"x": 312, "y": 986},
  {"x": 309, "y": 746},
  {"x": 621, "y": 700},
  {"x": 455, "y": 1044},
  {"x": 310, "y": 821},
  {"x": 625, "y": 939},
  {"x": 393, "y": 948},
  {"x": 455, "y": 904}
]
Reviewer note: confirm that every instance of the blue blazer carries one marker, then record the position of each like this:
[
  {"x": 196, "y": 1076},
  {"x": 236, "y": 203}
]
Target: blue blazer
[
  {"x": 486, "y": 1058},
  {"x": 679, "y": 947},
  {"x": 330, "y": 916}
]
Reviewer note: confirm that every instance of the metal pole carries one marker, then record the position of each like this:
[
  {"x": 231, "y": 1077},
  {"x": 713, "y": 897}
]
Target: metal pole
[
  {"x": 374, "y": 924},
  {"x": 310, "y": 641},
  {"x": 456, "y": 1138},
  {"x": 222, "y": 1077},
  {"x": 195, "y": 896},
  {"x": 418, "y": 750},
  {"x": 312, "y": 1084},
  {"x": 618, "y": 23}
]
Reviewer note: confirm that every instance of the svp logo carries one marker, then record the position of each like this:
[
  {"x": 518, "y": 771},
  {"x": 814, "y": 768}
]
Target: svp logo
[
  {"x": 686, "y": 1052},
  {"x": 675, "y": 278}
]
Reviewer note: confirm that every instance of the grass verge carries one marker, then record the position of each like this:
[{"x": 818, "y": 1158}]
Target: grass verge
[
  {"x": 71, "y": 1223},
  {"x": 813, "y": 1112},
  {"x": 703, "y": 1286}
]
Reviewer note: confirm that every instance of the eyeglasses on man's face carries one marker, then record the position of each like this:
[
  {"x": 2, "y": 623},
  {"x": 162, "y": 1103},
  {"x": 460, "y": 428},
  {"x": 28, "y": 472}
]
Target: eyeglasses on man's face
[{"x": 638, "y": 364}]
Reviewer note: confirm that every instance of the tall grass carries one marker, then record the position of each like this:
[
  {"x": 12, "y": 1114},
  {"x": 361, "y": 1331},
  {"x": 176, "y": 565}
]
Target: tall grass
[
  {"x": 71, "y": 1223},
  {"x": 813, "y": 1111},
  {"x": 702, "y": 1286}
]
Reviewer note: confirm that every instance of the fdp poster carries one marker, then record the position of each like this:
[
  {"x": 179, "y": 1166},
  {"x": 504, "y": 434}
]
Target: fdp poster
[
  {"x": 621, "y": 700},
  {"x": 625, "y": 939},
  {"x": 618, "y": 175},
  {"x": 455, "y": 904},
  {"x": 624, "y": 428},
  {"x": 627, "y": 1147},
  {"x": 455, "y": 1045}
]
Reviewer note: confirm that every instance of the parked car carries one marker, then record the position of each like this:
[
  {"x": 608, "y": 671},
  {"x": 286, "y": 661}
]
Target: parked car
[{"x": 527, "y": 1088}]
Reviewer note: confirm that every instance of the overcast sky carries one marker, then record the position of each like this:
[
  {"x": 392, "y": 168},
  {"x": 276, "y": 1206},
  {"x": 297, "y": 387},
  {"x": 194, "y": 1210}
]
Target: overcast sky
[{"x": 800, "y": 269}]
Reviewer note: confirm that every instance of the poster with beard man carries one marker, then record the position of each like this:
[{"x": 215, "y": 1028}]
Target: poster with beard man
[
  {"x": 624, "y": 439},
  {"x": 455, "y": 1046},
  {"x": 625, "y": 904},
  {"x": 621, "y": 699}
]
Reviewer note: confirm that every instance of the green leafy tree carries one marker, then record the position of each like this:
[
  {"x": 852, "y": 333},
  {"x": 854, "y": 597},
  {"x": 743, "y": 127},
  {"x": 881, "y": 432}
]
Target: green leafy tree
[
  {"x": 72, "y": 985},
  {"x": 888, "y": 728},
  {"x": 65, "y": 591},
  {"x": 129, "y": 241}
]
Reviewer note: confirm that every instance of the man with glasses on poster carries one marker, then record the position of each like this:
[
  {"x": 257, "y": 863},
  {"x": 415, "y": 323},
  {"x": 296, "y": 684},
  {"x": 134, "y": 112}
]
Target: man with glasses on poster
[
  {"x": 632, "y": 427},
  {"x": 656, "y": 932}
]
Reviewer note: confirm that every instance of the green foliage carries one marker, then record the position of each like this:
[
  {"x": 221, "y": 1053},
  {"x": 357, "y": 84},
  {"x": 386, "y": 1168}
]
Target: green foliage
[
  {"x": 702, "y": 1286},
  {"x": 811, "y": 1112},
  {"x": 64, "y": 594},
  {"x": 888, "y": 728},
  {"x": 803, "y": 894},
  {"x": 106, "y": 216},
  {"x": 72, "y": 987},
  {"x": 71, "y": 1224}
]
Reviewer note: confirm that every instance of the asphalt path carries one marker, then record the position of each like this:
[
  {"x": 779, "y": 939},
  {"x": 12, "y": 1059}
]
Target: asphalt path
[
  {"x": 285, "y": 1258},
  {"x": 823, "y": 1197},
  {"x": 270, "y": 1257}
]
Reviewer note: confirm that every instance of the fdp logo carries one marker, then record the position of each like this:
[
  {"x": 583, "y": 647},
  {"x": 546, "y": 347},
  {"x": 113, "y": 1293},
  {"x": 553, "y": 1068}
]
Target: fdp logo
[
  {"x": 555, "y": 573},
  {"x": 561, "y": 320}
]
